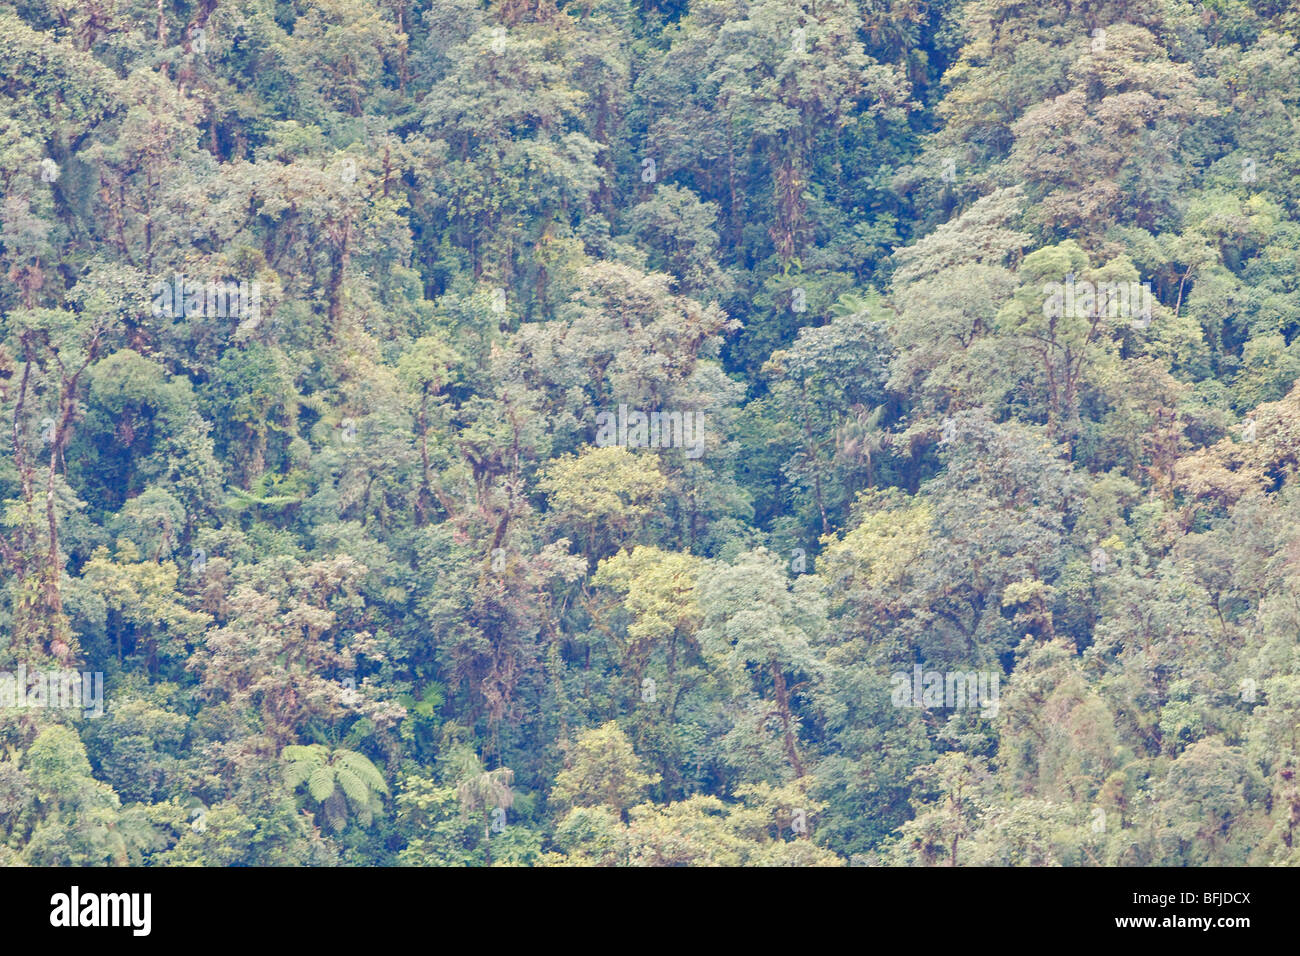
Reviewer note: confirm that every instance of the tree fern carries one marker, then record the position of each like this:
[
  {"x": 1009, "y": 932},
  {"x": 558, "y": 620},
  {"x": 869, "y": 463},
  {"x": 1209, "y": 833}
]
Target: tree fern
[{"x": 336, "y": 782}]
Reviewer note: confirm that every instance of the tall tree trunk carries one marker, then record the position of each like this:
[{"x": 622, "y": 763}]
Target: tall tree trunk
[{"x": 783, "y": 707}]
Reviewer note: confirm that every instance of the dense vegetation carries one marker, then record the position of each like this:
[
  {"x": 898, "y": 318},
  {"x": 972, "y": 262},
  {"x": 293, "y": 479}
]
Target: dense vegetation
[{"x": 369, "y": 554}]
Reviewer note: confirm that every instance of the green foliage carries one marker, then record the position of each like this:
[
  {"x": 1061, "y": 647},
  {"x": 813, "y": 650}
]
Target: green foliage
[
  {"x": 371, "y": 580},
  {"x": 337, "y": 781}
]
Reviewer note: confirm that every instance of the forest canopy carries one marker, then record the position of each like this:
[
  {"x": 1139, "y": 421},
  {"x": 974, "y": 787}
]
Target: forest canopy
[{"x": 649, "y": 432}]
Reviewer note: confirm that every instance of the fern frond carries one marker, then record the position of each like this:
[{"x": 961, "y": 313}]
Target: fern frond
[
  {"x": 313, "y": 754},
  {"x": 358, "y": 793},
  {"x": 297, "y": 773},
  {"x": 361, "y": 766},
  {"x": 321, "y": 783}
]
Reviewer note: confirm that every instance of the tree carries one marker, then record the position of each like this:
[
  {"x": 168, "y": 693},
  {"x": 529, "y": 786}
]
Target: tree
[
  {"x": 951, "y": 796},
  {"x": 602, "y": 771},
  {"x": 603, "y": 495},
  {"x": 338, "y": 781},
  {"x": 758, "y": 632}
]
